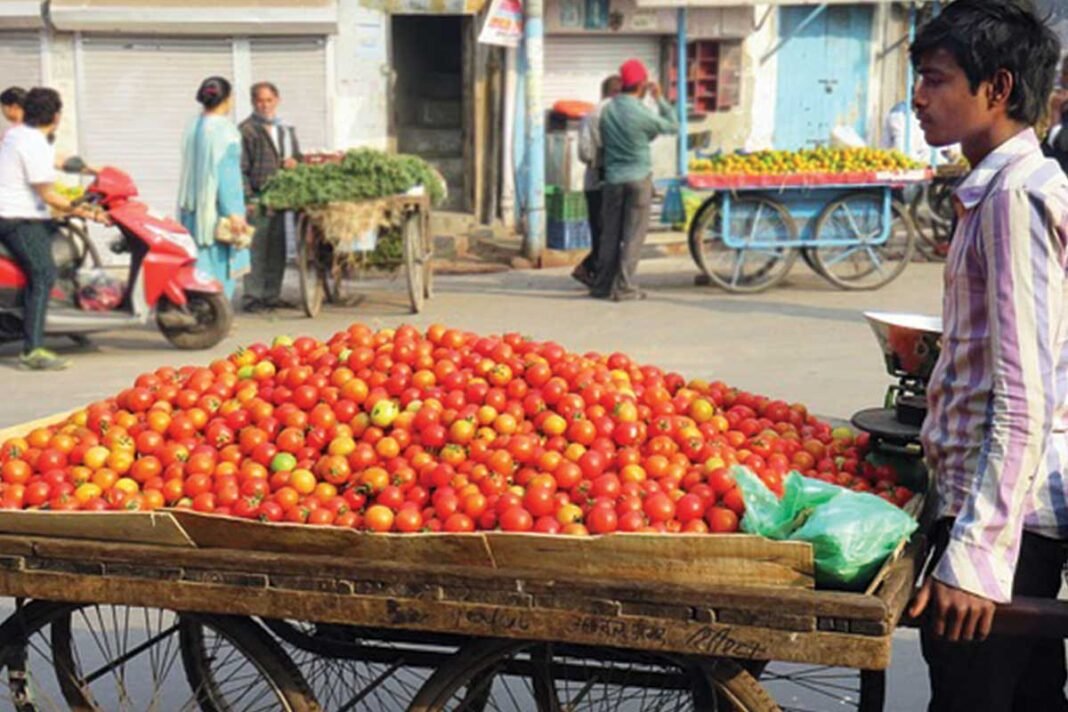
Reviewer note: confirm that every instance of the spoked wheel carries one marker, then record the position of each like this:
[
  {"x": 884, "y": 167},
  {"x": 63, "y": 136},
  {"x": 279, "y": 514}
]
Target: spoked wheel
[
  {"x": 124, "y": 659},
  {"x": 314, "y": 262},
  {"x": 204, "y": 321},
  {"x": 416, "y": 260},
  {"x": 540, "y": 677},
  {"x": 862, "y": 259},
  {"x": 813, "y": 688},
  {"x": 757, "y": 222},
  {"x": 933, "y": 216},
  {"x": 348, "y": 668}
]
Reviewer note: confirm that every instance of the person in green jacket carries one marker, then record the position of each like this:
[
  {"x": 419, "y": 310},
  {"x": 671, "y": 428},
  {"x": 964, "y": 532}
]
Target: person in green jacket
[{"x": 627, "y": 128}]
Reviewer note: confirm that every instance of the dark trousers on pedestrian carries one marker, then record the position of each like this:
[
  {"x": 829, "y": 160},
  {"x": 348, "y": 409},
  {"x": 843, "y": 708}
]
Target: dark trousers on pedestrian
[
  {"x": 30, "y": 242},
  {"x": 595, "y": 213},
  {"x": 626, "y": 220},
  {"x": 268, "y": 258},
  {"x": 1002, "y": 673}
]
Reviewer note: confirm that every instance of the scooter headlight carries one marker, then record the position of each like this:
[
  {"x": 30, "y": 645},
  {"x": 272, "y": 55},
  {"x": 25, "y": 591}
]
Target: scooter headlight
[{"x": 181, "y": 239}]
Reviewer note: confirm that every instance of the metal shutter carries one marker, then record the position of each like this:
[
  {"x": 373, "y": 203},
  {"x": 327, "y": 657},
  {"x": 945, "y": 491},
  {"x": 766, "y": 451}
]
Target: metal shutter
[
  {"x": 20, "y": 61},
  {"x": 138, "y": 97},
  {"x": 576, "y": 66},
  {"x": 297, "y": 66}
]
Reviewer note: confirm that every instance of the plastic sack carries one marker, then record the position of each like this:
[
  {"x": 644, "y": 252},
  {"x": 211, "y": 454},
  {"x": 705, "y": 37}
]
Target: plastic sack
[{"x": 851, "y": 533}]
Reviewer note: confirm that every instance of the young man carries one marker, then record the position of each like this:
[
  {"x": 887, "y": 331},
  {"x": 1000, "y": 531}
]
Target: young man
[
  {"x": 11, "y": 104},
  {"x": 27, "y": 175},
  {"x": 592, "y": 154},
  {"x": 627, "y": 128},
  {"x": 267, "y": 146},
  {"x": 996, "y": 435}
]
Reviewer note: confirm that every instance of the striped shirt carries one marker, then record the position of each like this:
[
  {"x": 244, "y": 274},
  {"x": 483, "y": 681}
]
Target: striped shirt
[{"x": 996, "y": 434}]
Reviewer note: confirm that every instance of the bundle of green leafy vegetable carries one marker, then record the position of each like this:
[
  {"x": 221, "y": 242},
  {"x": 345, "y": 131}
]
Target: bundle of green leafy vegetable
[{"x": 362, "y": 174}]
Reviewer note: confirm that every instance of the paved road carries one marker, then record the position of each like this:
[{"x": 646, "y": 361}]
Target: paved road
[{"x": 803, "y": 341}]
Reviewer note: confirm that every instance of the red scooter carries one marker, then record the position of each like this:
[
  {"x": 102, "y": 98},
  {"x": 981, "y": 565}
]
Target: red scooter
[{"x": 189, "y": 307}]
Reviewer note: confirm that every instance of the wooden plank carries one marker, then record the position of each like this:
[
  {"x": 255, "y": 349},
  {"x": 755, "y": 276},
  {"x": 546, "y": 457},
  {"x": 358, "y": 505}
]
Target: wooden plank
[
  {"x": 691, "y": 637},
  {"x": 680, "y": 558},
  {"x": 696, "y": 594},
  {"x": 213, "y": 531},
  {"x": 157, "y": 528}
]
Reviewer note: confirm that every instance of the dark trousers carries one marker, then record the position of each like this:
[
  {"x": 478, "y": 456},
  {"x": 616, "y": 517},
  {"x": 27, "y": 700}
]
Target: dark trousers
[
  {"x": 1002, "y": 673},
  {"x": 594, "y": 209},
  {"x": 626, "y": 220},
  {"x": 268, "y": 257},
  {"x": 30, "y": 242}
]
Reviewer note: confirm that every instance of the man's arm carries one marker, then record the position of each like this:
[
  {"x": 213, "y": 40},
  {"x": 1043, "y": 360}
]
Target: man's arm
[
  {"x": 587, "y": 145},
  {"x": 665, "y": 120},
  {"x": 1023, "y": 254},
  {"x": 248, "y": 148}
]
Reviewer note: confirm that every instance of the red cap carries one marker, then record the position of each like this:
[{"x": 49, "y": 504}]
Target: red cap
[{"x": 633, "y": 73}]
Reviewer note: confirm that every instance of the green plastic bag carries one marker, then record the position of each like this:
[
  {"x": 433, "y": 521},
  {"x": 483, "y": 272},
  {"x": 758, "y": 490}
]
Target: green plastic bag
[{"x": 851, "y": 533}]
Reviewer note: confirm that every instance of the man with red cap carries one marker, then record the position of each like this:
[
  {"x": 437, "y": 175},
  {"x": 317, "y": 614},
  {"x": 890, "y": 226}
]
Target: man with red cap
[{"x": 627, "y": 128}]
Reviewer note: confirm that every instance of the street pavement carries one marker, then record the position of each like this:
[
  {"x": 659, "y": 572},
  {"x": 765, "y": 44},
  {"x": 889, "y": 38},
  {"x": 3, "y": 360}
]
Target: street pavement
[{"x": 802, "y": 341}]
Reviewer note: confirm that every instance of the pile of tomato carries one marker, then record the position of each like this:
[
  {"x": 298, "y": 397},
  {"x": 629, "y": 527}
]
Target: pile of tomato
[{"x": 403, "y": 431}]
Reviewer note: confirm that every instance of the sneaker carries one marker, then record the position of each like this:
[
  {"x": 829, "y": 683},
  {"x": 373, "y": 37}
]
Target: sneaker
[
  {"x": 582, "y": 275},
  {"x": 41, "y": 359},
  {"x": 256, "y": 306},
  {"x": 279, "y": 303}
]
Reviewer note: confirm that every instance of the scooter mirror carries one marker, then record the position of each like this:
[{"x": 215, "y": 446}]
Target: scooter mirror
[{"x": 74, "y": 164}]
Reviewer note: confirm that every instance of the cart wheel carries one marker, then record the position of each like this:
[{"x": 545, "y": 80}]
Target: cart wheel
[
  {"x": 352, "y": 669},
  {"x": 520, "y": 676},
  {"x": 428, "y": 260},
  {"x": 798, "y": 687},
  {"x": 310, "y": 266},
  {"x": 337, "y": 274},
  {"x": 116, "y": 658},
  {"x": 415, "y": 261},
  {"x": 749, "y": 269},
  {"x": 858, "y": 220},
  {"x": 933, "y": 216},
  {"x": 74, "y": 232}
]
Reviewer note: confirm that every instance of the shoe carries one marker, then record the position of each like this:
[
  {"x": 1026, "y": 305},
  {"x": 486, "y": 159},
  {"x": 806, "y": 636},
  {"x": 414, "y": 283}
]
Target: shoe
[
  {"x": 634, "y": 295},
  {"x": 256, "y": 306},
  {"x": 41, "y": 359},
  {"x": 582, "y": 275},
  {"x": 600, "y": 295},
  {"x": 279, "y": 303}
]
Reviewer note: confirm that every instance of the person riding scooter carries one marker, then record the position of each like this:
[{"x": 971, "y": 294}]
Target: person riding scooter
[{"x": 27, "y": 176}]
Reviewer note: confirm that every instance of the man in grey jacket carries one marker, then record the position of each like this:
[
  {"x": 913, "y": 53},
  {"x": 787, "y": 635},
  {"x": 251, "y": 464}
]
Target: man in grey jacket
[
  {"x": 267, "y": 146},
  {"x": 592, "y": 154}
]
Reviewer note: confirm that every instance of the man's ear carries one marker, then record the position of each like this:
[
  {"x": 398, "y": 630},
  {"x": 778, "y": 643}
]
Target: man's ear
[{"x": 1000, "y": 87}]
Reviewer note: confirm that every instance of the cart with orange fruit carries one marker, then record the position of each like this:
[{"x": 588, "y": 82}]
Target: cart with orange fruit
[{"x": 835, "y": 207}]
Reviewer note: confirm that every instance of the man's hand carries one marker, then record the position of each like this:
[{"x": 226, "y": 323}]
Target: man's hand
[
  {"x": 957, "y": 616},
  {"x": 289, "y": 163},
  {"x": 654, "y": 90}
]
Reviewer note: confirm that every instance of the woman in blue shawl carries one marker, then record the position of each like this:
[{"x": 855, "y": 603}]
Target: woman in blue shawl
[{"x": 210, "y": 187}]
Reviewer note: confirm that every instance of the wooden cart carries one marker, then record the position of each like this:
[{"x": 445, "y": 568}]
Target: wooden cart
[
  {"x": 323, "y": 267},
  {"x": 499, "y": 621}
]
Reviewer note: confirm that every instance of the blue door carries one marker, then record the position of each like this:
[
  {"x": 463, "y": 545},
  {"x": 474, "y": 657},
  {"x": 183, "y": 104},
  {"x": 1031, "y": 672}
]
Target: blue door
[{"x": 823, "y": 73}]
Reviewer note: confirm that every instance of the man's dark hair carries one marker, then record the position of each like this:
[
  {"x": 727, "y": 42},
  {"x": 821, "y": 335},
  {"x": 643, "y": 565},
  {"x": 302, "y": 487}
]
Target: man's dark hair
[
  {"x": 611, "y": 86},
  {"x": 41, "y": 106},
  {"x": 213, "y": 91},
  {"x": 985, "y": 36},
  {"x": 13, "y": 96},
  {"x": 263, "y": 85}
]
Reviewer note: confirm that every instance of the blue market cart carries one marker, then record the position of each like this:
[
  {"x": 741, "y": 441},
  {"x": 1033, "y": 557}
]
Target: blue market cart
[{"x": 851, "y": 228}]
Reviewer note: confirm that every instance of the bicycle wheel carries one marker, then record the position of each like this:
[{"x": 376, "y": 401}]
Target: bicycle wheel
[
  {"x": 93, "y": 658},
  {"x": 861, "y": 262},
  {"x": 811, "y": 688},
  {"x": 753, "y": 219},
  {"x": 310, "y": 257},
  {"x": 415, "y": 260},
  {"x": 349, "y": 668},
  {"x": 75, "y": 233},
  {"x": 518, "y": 676}
]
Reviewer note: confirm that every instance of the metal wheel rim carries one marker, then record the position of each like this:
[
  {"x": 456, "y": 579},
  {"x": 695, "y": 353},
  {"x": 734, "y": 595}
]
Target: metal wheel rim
[
  {"x": 863, "y": 265},
  {"x": 746, "y": 270}
]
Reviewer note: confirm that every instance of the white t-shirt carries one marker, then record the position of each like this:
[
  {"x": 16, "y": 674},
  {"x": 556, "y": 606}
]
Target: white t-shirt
[{"x": 26, "y": 159}]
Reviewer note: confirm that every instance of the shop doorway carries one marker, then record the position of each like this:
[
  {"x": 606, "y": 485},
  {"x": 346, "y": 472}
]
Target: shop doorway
[{"x": 429, "y": 91}]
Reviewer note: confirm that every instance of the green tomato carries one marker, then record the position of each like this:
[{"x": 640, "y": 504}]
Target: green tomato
[
  {"x": 283, "y": 462},
  {"x": 245, "y": 372},
  {"x": 384, "y": 413}
]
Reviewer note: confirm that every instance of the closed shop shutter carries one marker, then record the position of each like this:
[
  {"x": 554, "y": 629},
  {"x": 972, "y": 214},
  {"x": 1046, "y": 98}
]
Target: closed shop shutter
[
  {"x": 297, "y": 66},
  {"x": 138, "y": 99},
  {"x": 575, "y": 66},
  {"x": 20, "y": 61}
]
